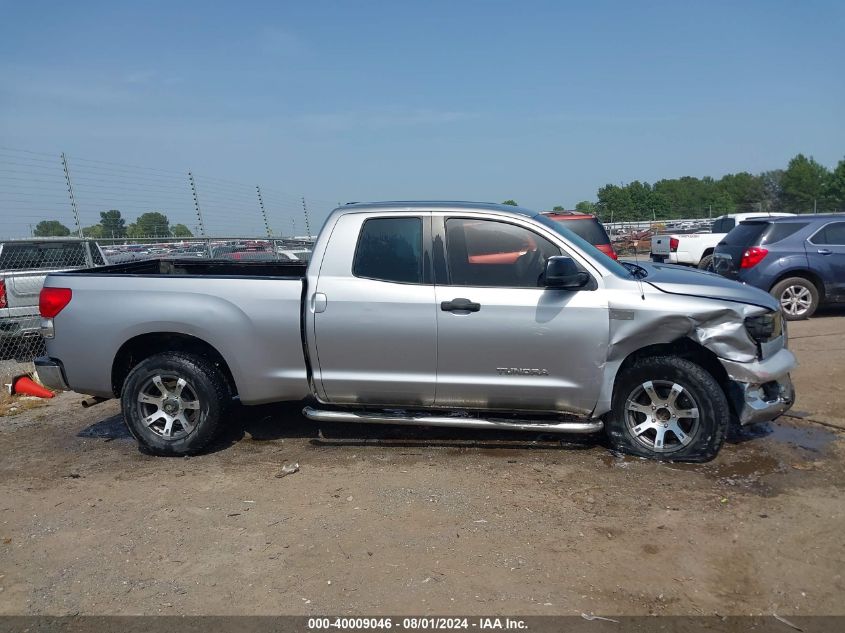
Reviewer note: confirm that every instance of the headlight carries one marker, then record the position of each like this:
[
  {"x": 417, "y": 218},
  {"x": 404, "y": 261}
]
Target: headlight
[{"x": 765, "y": 327}]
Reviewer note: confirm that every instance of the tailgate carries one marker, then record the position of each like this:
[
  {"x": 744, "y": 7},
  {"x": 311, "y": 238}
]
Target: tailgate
[{"x": 660, "y": 244}]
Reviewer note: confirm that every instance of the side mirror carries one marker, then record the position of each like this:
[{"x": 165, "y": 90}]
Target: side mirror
[{"x": 562, "y": 272}]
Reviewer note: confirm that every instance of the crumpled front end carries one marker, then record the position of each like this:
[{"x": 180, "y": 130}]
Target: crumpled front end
[
  {"x": 762, "y": 390},
  {"x": 748, "y": 340}
]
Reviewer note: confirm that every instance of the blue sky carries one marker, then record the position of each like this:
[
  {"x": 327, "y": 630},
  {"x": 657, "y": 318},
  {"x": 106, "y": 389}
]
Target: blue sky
[{"x": 538, "y": 101}]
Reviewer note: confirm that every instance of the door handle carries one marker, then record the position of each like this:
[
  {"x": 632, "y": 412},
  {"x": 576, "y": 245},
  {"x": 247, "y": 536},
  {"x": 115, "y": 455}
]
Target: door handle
[
  {"x": 825, "y": 251},
  {"x": 460, "y": 305}
]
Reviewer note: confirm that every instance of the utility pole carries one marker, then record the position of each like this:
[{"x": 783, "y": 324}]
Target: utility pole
[
  {"x": 307, "y": 223},
  {"x": 263, "y": 212},
  {"x": 72, "y": 196},
  {"x": 814, "y": 207}
]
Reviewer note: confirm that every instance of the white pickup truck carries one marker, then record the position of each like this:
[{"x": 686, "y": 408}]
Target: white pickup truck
[{"x": 696, "y": 249}]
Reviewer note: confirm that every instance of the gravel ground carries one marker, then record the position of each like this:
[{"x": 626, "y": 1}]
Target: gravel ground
[{"x": 392, "y": 520}]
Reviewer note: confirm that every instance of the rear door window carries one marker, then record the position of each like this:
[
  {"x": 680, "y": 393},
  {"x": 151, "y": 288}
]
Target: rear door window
[
  {"x": 833, "y": 233},
  {"x": 390, "y": 249},
  {"x": 778, "y": 232}
]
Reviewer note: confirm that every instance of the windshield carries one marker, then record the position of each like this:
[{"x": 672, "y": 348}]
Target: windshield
[{"x": 560, "y": 228}]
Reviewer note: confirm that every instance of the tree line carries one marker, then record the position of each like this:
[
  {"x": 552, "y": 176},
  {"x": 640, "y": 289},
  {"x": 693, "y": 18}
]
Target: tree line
[
  {"x": 804, "y": 186},
  {"x": 113, "y": 225}
]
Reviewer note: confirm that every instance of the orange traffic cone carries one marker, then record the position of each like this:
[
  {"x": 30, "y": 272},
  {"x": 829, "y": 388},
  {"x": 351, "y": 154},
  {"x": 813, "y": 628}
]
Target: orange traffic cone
[{"x": 27, "y": 386}]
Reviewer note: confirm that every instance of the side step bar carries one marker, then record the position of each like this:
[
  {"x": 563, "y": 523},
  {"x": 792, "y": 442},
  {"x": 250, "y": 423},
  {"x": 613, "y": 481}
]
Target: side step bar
[{"x": 320, "y": 415}]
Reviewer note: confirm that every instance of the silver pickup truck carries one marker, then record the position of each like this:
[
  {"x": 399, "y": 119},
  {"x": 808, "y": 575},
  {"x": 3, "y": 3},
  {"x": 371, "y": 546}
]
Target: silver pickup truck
[{"x": 428, "y": 313}]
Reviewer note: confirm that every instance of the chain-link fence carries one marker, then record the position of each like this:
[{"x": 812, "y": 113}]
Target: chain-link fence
[{"x": 25, "y": 263}]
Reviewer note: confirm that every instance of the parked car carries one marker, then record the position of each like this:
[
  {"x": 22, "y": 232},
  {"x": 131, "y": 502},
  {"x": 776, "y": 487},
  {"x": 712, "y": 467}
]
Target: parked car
[
  {"x": 586, "y": 226},
  {"x": 696, "y": 249},
  {"x": 800, "y": 260},
  {"x": 479, "y": 316},
  {"x": 23, "y": 266}
]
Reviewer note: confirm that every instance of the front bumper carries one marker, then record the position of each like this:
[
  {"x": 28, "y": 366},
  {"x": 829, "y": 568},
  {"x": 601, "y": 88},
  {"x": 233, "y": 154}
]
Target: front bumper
[
  {"x": 51, "y": 373},
  {"x": 762, "y": 390}
]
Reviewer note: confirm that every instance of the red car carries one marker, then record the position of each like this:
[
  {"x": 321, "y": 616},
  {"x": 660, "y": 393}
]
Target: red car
[{"x": 586, "y": 226}]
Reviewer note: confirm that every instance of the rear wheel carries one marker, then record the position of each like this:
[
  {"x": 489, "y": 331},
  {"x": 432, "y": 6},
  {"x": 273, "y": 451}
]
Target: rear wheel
[
  {"x": 706, "y": 263},
  {"x": 798, "y": 297},
  {"x": 174, "y": 404},
  {"x": 668, "y": 408}
]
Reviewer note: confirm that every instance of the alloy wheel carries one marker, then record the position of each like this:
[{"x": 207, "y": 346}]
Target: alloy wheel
[{"x": 662, "y": 415}]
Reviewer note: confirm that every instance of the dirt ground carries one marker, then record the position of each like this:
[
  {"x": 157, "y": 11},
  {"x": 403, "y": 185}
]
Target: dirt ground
[{"x": 400, "y": 521}]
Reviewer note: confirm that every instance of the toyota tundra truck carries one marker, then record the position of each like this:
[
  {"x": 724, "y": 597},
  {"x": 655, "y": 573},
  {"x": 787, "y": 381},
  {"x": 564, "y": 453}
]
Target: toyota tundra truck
[{"x": 450, "y": 314}]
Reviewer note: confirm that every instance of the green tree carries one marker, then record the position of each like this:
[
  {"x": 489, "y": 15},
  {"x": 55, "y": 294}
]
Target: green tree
[
  {"x": 744, "y": 189},
  {"x": 112, "y": 223},
  {"x": 804, "y": 185},
  {"x": 557, "y": 207},
  {"x": 152, "y": 224},
  {"x": 615, "y": 202},
  {"x": 95, "y": 231},
  {"x": 772, "y": 189},
  {"x": 836, "y": 187},
  {"x": 50, "y": 228},
  {"x": 512, "y": 203},
  {"x": 585, "y": 206},
  {"x": 180, "y": 230}
]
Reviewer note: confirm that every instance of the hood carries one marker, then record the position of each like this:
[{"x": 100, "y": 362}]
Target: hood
[{"x": 681, "y": 280}]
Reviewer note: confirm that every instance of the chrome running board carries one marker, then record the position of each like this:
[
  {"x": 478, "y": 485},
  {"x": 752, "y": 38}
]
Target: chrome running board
[{"x": 320, "y": 415}]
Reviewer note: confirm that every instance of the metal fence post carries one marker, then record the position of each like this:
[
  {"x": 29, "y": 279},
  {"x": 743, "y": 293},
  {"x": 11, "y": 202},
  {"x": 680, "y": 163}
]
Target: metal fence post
[
  {"x": 72, "y": 197},
  {"x": 263, "y": 212},
  {"x": 200, "y": 222},
  {"x": 307, "y": 223}
]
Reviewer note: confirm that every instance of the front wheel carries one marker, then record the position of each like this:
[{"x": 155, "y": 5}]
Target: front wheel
[
  {"x": 174, "y": 403},
  {"x": 668, "y": 408}
]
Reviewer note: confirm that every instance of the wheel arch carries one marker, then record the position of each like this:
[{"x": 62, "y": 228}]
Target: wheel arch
[
  {"x": 804, "y": 273},
  {"x": 143, "y": 346},
  {"x": 683, "y": 347}
]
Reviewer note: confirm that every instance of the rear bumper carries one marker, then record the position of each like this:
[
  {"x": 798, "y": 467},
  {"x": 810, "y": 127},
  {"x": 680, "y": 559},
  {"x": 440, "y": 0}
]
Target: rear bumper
[
  {"x": 761, "y": 391},
  {"x": 51, "y": 373}
]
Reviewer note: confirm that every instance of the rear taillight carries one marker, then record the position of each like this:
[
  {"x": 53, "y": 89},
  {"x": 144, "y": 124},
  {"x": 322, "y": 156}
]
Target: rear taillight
[
  {"x": 3, "y": 303},
  {"x": 52, "y": 301},
  {"x": 673, "y": 244},
  {"x": 752, "y": 256},
  {"x": 607, "y": 249}
]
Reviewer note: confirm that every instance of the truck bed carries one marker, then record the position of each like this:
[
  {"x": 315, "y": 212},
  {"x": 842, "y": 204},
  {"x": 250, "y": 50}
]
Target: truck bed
[
  {"x": 200, "y": 268},
  {"x": 247, "y": 312}
]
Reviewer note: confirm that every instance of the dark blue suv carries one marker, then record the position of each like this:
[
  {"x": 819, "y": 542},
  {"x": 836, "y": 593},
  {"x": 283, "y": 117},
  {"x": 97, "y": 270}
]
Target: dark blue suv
[{"x": 800, "y": 260}]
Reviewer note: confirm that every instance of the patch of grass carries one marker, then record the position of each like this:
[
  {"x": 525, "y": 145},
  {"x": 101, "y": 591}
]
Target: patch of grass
[{"x": 13, "y": 405}]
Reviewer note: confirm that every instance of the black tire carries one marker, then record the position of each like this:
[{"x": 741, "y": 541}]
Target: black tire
[
  {"x": 706, "y": 263},
  {"x": 703, "y": 435},
  {"x": 202, "y": 402},
  {"x": 789, "y": 293}
]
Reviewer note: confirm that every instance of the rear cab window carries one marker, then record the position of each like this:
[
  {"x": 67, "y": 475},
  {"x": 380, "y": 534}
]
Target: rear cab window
[
  {"x": 24, "y": 256},
  {"x": 723, "y": 225},
  {"x": 390, "y": 249}
]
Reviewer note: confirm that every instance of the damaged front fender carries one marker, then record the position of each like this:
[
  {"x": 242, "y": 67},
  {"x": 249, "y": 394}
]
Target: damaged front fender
[{"x": 655, "y": 318}]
